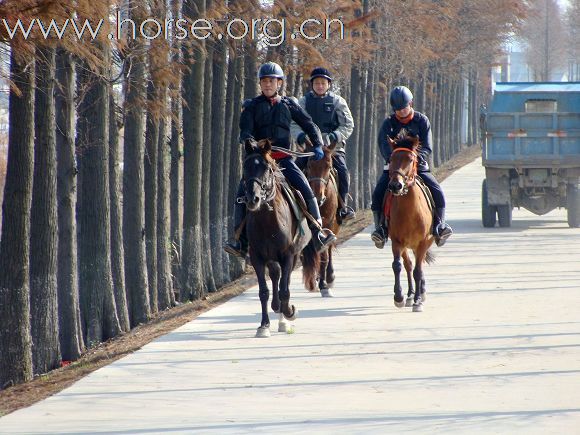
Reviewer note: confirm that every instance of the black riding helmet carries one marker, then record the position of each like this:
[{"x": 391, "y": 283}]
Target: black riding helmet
[
  {"x": 400, "y": 97},
  {"x": 320, "y": 72},
  {"x": 271, "y": 69}
]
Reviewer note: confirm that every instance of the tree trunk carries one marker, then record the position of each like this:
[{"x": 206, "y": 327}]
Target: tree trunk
[
  {"x": 71, "y": 335},
  {"x": 217, "y": 162},
  {"x": 98, "y": 308},
  {"x": 164, "y": 283},
  {"x": 150, "y": 163},
  {"x": 44, "y": 223},
  {"x": 117, "y": 249},
  {"x": 15, "y": 339},
  {"x": 193, "y": 92},
  {"x": 133, "y": 189}
]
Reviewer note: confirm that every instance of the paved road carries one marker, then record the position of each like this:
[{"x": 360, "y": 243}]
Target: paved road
[{"x": 497, "y": 349}]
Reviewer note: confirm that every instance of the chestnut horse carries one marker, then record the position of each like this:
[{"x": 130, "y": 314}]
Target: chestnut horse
[
  {"x": 409, "y": 222},
  {"x": 274, "y": 237},
  {"x": 325, "y": 190}
]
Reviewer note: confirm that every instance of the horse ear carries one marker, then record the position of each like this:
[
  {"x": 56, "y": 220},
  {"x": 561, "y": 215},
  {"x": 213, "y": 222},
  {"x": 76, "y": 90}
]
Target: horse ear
[
  {"x": 332, "y": 146},
  {"x": 415, "y": 142},
  {"x": 250, "y": 146},
  {"x": 267, "y": 146}
]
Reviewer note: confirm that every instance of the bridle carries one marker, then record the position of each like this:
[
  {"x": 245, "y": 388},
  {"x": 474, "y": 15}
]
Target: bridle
[
  {"x": 323, "y": 180},
  {"x": 409, "y": 177},
  {"x": 268, "y": 187}
]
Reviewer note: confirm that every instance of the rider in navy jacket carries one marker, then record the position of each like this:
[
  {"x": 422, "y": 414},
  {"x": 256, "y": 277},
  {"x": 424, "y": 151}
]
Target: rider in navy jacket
[{"x": 416, "y": 124}]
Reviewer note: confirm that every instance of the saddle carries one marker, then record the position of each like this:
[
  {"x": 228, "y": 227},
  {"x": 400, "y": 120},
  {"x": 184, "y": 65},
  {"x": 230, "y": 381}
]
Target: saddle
[
  {"x": 297, "y": 205},
  {"x": 388, "y": 200}
]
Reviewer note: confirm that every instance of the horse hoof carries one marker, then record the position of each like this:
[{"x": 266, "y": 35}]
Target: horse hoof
[
  {"x": 294, "y": 314},
  {"x": 326, "y": 293},
  {"x": 263, "y": 332},
  {"x": 409, "y": 301},
  {"x": 399, "y": 304},
  {"x": 418, "y": 308}
]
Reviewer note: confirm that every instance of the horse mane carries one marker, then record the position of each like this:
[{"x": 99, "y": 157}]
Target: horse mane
[
  {"x": 264, "y": 147},
  {"x": 407, "y": 140}
]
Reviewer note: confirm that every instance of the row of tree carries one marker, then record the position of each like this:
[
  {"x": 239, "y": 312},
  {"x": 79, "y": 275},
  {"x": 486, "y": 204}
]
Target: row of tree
[{"x": 123, "y": 155}]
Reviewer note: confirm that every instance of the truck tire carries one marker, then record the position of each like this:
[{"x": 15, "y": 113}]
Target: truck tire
[
  {"x": 488, "y": 212},
  {"x": 504, "y": 215},
  {"x": 573, "y": 205}
]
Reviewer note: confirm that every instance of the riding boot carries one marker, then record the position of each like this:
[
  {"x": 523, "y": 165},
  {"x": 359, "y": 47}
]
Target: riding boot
[
  {"x": 381, "y": 232},
  {"x": 441, "y": 229},
  {"x": 321, "y": 238},
  {"x": 238, "y": 247},
  {"x": 346, "y": 213}
]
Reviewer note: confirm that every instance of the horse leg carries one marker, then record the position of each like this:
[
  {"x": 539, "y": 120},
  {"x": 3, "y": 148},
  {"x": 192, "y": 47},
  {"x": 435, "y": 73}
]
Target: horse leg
[
  {"x": 288, "y": 310},
  {"x": 260, "y": 268},
  {"x": 409, "y": 269},
  {"x": 275, "y": 273},
  {"x": 419, "y": 281},
  {"x": 397, "y": 267},
  {"x": 330, "y": 269},
  {"x": 322, "y": 283}
]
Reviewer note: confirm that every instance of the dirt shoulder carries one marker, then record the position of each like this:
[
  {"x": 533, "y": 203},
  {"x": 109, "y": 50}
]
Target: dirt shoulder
[{"x": 23, "y": 395}]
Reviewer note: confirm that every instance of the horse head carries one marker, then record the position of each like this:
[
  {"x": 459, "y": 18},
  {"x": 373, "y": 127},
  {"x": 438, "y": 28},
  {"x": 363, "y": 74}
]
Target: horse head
[
  {"x": 318, "y": 172},
  {"x": 258, "y": 173},
  {"x": 403, "y": 163}
]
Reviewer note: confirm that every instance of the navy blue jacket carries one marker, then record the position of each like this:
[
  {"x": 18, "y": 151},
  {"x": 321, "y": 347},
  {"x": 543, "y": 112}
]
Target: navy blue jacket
[
  {"x": 418, "y": 126},
  {"x": 261, "y": 119}
]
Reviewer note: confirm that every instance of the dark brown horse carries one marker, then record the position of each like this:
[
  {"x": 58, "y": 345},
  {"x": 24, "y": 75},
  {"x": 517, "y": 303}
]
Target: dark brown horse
[
  {"x": 273, "y": 234},
  {"x": 325, "y": 190},
  {"x": 410, "y": 221}
]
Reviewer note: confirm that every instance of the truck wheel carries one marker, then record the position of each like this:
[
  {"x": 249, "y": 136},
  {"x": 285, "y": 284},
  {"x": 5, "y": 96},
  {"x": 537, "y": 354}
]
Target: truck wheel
[
  {"x": 504, "y": 215},
  {"x": 573, "y": 205},
  {"x": 488, "y": 212}
]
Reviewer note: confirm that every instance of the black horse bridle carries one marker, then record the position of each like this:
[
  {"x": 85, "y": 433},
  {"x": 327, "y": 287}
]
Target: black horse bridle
[{"x": 267, "y": 189}]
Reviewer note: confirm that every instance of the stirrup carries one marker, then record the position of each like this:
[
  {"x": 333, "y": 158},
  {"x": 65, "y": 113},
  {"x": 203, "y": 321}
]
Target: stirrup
[
  {"x": 443, "y": 232},
  {"x": 324, "y": 238},
  {"x": 378, "y": 237},
  {"x": 347, "y": 213}
]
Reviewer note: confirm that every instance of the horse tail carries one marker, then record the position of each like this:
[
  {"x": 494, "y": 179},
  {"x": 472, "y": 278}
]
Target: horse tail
[
  {"x": 310, "y": 266},
  {"x": 429, "y": 257}
]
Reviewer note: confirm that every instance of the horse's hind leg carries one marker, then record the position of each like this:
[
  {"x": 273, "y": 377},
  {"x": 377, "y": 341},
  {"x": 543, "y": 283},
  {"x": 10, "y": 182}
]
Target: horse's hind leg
[
  {"x": 288, "y": 310},
  {"x": 275, "y": 273},
  {"x": 260, "y": 268},
  {"x": 419, "y": 282},
  {"x": 397, "y": 267},
  {"x": 409, "y": 269},
  {"x": 330, "y": 268}
]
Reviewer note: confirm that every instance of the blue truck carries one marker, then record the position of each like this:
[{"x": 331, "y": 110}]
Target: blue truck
[{"x": 531, "y": 151}]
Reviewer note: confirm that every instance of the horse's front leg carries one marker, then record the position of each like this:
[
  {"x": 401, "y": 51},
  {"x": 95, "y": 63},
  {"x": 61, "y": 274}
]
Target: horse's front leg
[
  {"x": 409, "y": 269},
  {"x": 419, "y": 285},
  {"x": 275, "y": 273},
  {"x": 288, "y": 310},
  {"x": 322, "y": 283},
  {"x": 397, "y": 267},
  {"x": 260, "y": 268}
]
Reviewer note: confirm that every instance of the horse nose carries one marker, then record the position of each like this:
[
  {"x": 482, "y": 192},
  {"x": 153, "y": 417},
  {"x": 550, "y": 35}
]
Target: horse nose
[{"x": 395, "y": 186}]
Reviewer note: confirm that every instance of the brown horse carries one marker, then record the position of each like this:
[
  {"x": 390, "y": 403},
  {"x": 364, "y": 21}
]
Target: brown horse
[
  {"x": 273, "y": 234},
  {"x": 325, "y": 190},
  {"x": 409, "y": 222}
]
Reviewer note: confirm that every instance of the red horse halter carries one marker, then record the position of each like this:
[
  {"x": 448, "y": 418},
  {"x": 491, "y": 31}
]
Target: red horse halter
[{"x": 409, "y": 177}]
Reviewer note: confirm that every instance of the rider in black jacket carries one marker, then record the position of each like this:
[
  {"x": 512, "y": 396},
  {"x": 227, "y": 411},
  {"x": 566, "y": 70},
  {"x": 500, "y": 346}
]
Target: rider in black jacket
[{"x": 268, "y": 116}]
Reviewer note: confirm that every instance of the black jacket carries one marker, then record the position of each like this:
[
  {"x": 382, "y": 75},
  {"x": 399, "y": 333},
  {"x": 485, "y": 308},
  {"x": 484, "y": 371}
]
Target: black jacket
[{"x": 261, "y": 119}]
